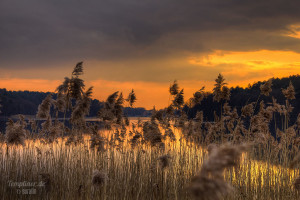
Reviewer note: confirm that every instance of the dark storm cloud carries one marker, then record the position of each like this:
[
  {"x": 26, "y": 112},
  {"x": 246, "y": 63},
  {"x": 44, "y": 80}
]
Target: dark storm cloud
[{"x": 43, "y": 33}]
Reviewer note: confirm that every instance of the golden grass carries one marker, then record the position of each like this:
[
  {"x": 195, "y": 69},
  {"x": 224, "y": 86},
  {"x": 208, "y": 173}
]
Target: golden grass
[{"x": 132, "y": 173}]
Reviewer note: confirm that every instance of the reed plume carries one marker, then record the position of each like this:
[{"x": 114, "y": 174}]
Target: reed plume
[
  {"x": 221, "y": 91},
  {"x": 78, "y": 69},
  {"x": 64, "y": 89},
  {"x": 178, "y": 100},
  {"x": 97, "y": 142},
  {"x": 209, "y": 184},
  {"x": 44, "y": 108},
  {"x": 198, "y": 96},
  {"x": 46, "y": 125},
  {"x": 76, "y": 85},
  {"x": 15, "y": 132},
  {"x": 82, "y": 109},
  {"x": 164, "y": 161},
  {"x": 151, "y": 132},
  {"x": 131, "y": 98},
  {"x": 265, "y": 89},
  {"x": 99, "y": 178},
  {"x": 108, "y": 112},
  {"x": 135, "y": 139},
  {"x": 289, "y": 92},
  {"x": 60, "y": 102},
  {"x": 174, "y": 88},
  {"x": 248, "y": 110}
]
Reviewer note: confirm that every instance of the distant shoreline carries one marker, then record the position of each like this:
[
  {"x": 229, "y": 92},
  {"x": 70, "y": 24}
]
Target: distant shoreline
[{"x": 32, "y": 117}]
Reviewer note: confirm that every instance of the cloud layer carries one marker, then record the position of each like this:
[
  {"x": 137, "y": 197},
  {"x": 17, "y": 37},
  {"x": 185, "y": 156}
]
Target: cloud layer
[{"x": 147, "y": 41}]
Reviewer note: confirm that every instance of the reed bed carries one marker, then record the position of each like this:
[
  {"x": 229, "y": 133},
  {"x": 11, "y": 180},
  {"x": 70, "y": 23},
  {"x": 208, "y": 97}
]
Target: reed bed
[
  {"x": 167, "y": 156},
  {"x": 131, "y": 173}
]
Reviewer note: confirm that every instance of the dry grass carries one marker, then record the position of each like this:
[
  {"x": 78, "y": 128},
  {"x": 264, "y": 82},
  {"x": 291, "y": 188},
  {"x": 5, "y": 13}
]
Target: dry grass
[
  {"x": 144, "y": 172},
  {"x": 166, "y": 157}
]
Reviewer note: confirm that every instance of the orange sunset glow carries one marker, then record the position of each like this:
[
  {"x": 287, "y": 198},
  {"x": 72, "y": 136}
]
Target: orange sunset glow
[
  {"x": 139, "y": 53},
  {"x": 239, "y": 69}
]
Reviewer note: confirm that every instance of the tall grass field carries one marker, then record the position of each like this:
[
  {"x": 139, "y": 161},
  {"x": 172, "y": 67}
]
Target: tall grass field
[{"x": 166, "y": 156}]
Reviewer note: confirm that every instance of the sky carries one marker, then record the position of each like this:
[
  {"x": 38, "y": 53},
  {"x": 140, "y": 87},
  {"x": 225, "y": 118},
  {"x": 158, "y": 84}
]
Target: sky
[{"x": 146, "y": 45}]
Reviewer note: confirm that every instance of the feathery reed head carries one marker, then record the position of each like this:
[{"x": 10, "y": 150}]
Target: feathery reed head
[
  {"x": 221, "y": 91},
  {"x": 248, "y": 110},
  {"x": 265, "y": 88},
  {"x": 97, "y": 141},
  {"x": 78, "y": 70},
  {"x": 99, "y": 178},
  {"x": 131, "y": 98},
  {"x": 174, "y": 88},
  {"x": 178, "y": 100},
  {"x": 164, "y": 161},
  {"x": 211, "y": 147},
  {"x": 198, "y": 96},
  {"x": 289, "y": 92},
  {"x": 15, "y": 133},
  {"x": 210, "y": 184},
  {"x": 152, "y": 133},
  {"x": 44, "y": 108}
]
